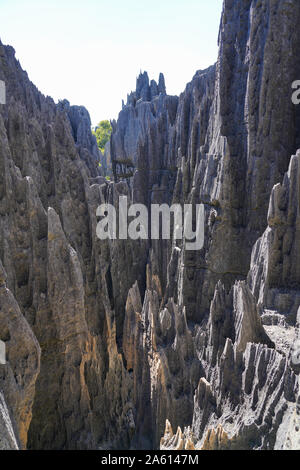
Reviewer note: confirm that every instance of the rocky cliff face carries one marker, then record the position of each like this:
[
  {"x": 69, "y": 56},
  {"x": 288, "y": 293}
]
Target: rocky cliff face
[
  {"x": 107, "y": 341},
  {"x": 57, "y": 317}
]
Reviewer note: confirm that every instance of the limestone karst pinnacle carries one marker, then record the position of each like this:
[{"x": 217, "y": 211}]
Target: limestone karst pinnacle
[{"x": 115, "y": 344}]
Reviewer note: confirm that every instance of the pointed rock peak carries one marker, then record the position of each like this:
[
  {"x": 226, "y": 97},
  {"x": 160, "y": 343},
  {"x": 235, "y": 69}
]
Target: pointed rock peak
[
  {"x": 216, "y": 440},
  {"x": 147, "y": 90},
  {"x": 228, "y": 353},
  {"x": 204, "y": 385},
  {"x": 143, "y": 78},
  {"x": 54, "y": 226},
  {"x": 248, "y": 326},
  {"x": 142, "y": 87},
  {"x": 168, "y": 428},
  {"x": 220, "y": 322},
  {"x": 153, "y": 89},
  {"x": 161, "y": 84}
]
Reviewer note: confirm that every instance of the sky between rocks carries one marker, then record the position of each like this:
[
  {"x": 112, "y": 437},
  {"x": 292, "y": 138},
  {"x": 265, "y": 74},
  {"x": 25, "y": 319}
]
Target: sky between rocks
[{"x": 91, "y": 51}]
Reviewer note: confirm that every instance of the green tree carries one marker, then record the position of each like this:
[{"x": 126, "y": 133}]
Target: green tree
[{"x": 102, "y": 132}]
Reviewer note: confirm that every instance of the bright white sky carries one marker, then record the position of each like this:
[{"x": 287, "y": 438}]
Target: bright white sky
[{"x": 91, "y": 51}]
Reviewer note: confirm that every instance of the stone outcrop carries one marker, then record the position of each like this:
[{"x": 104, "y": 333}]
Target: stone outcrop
[
  {"x": 86, "y": 142},
  {"x": 18, "y": 376},
  {"x": 114, "y": 343},
  {"x": 8, "y": 439},
  {"x": 274, "y": 274},
  {"x": 64, "y": 381},
  {"x": 178, "y": 441}
]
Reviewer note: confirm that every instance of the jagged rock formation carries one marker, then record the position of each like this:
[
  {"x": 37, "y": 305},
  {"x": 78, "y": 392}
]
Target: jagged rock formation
[
  {"x": 55, "y": 291},
  {"x": 86, "y": 142},
  {"x": 120, "y": 337},
  {"x": 7, "y": 436},
  {"x": 178, "y": 441}
]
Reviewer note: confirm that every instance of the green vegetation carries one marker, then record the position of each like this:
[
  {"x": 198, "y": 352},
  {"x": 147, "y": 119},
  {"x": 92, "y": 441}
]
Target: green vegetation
[{"x": 102, "y": 133}]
